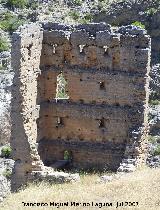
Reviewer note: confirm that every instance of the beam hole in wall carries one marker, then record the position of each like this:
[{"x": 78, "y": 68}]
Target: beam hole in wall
[
  {"x": 81, "y": 48},
  {"x": 117, "y": 104},
  {"x": 61, "y": 92},
  {"x": 59, "y": 122},
  {"x": 54, "y": 48},
  {"x": 137, "y": 47},
  {"x": 81, "y": 101},
  {"x": 101, "y": 123},
  {"x": 105, "y": 50},
  {"x": 102, "y": 85},
  {"x": 29, "y": 50}
]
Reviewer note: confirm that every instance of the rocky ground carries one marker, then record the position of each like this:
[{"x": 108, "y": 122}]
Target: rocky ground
[{"x": 6, "y": 166}]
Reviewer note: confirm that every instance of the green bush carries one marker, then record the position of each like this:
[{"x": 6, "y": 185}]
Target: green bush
[
  {"x": 17, "y": 3},
  {"x": 151, "y": 11},
  {"x": 78, "y": 2},
  {"x": 10, "y": 22},
  {"x": 7, "y": 173},
  {"x": 157, "y": 151},
  {"x": 6, "y": 152},
  {"x": 1, "y": 67},
  {"x": 154, "y": 102},
  {"x": 75, "y": 15},
  {"x": 4, "y": 45},
  {"x": 138, "y": 24},
  {"x": 3, "y": 1},
  {"x": 34, "y": 5},
  {"x": 102, "y": 5},
  {"x": 88, "y": 17},
  {"x": 153, "y": 139}
]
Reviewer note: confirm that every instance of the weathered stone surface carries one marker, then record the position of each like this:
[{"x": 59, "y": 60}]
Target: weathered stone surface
[
  {"x": 126, "y": 12},
  {"x": 153, "y": 161},
  {"x": 105, "y": 178},
  {"x": 49, "y": 175},
  {"x": 6, "y": 166},
  {"x": 103, "y": 122}
]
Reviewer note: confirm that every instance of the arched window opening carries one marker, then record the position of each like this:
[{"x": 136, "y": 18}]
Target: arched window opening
[{"x": 61, "y": 92}]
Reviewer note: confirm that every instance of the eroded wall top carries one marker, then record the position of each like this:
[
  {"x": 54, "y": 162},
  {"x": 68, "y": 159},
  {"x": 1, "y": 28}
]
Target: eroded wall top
[{"x": 96, "y": 46}]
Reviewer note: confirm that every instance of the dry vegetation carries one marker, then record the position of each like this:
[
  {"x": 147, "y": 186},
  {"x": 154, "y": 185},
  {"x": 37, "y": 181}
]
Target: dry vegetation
[{"x": 142, "y": 187}]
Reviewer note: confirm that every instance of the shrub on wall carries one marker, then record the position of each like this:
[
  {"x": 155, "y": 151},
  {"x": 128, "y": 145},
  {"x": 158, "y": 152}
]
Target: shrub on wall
[{"x": 138, "y": 24}]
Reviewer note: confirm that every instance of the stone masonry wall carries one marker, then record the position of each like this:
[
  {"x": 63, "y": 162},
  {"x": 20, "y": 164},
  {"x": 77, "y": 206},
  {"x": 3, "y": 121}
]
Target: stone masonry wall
[
  {"x": 26, "y": 51},
  {"x": 104, "y": 121}
]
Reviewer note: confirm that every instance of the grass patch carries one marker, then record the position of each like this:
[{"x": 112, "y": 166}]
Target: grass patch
[{"x": 141, "y": 186}]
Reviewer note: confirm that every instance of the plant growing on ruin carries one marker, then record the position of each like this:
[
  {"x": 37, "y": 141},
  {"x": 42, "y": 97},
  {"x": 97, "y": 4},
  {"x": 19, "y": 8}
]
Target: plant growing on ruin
[
  {"x": 6, "y": 152},
  {"x": 67, "y": 155},
  {"x": 138, "y": 24}
]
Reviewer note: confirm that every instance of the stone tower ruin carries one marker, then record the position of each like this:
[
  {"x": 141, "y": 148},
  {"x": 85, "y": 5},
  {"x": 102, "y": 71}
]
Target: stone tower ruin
[{"x": 103, "y": 122}]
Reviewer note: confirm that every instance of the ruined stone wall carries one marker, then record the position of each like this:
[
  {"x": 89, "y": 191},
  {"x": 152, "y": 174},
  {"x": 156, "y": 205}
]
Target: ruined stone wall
[
  {"x": 26, "y": 51},
  {"x": 104, "y": 120}
]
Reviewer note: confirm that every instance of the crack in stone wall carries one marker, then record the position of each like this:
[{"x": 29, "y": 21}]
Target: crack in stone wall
[{"x": 104, "y": 121}]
